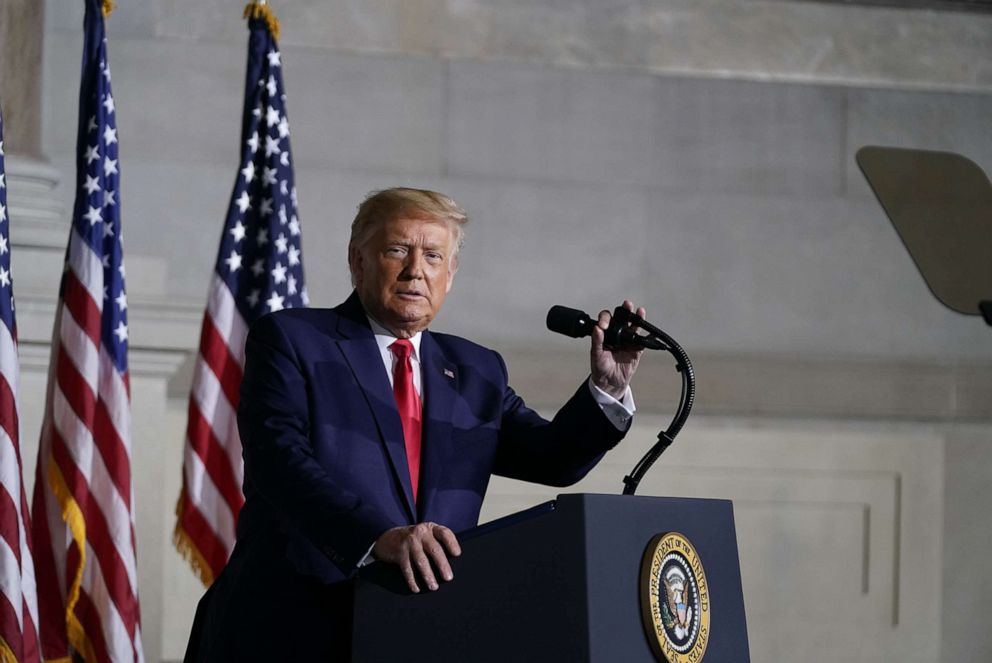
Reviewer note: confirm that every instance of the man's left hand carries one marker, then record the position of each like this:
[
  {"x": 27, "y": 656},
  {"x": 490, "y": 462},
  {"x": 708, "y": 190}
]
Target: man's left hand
[{"x": 613, "y": 369}]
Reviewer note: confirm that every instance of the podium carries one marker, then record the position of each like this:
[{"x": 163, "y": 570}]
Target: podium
[{"x": 562, "y": 581}]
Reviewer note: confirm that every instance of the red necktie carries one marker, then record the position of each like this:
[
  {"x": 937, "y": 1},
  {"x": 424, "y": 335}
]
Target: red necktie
[{"x": 408, "y": 404}]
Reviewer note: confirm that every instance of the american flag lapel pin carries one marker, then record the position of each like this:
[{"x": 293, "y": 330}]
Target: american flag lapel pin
[{"x": 449, "y": 373}]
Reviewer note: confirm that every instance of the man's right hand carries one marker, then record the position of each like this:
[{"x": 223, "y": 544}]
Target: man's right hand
[{"x": 415, "y": 548}]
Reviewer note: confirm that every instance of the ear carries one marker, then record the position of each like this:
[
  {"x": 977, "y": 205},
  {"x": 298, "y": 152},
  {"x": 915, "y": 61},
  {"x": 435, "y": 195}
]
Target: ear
[
  {"x": 451, "y": 275},
  {"x": 355, "y": 264}
]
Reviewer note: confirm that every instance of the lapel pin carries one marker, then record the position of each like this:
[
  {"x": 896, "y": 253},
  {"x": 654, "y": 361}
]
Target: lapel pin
[{"x": 450, "y": 373}]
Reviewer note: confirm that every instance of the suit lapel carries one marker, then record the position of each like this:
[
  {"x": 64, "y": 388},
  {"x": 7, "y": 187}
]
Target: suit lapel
[
  {"x": 362, "y": 354},
  {"x": 440, "y": 387}
]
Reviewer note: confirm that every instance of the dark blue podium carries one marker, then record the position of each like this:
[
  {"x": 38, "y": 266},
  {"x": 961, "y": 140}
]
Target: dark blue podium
[{"x": 559, "y": 582}]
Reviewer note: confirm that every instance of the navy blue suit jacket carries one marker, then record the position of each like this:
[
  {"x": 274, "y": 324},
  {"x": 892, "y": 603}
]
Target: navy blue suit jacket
[{"x": 326, "y": 470}]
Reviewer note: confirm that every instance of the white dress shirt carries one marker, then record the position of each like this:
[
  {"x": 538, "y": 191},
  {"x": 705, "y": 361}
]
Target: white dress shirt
[{"x": 619, "y": 412}]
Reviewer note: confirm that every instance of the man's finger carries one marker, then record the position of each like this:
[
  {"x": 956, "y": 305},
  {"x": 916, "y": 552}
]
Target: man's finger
[
  {"x": 426, "y": 572},
  {"x": 440, "y": 560},
  {"x": 448, "y": 539},
  {"x": 407, "y": 570},
  {"x": 604, "y": 320}
]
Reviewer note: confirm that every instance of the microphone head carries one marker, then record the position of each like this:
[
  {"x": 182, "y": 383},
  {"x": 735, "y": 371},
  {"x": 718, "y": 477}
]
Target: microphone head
[{"x": 569, "y": 321}]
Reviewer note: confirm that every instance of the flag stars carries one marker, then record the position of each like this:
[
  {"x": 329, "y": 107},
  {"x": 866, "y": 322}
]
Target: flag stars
[
  {"x": 121, "y": 332},
  {"x": 281, "y": 243},
  {"x": 92, "y": 184},
  {"x": 94, "y": 215},
  {"x": 92, "y": 154},
  {"x": 283, "y": 127},
  {"x": 252, "y": 297},
  {"x": 258, "y": 267},
  {"x": 284, "y": 158},
  {"x": 253, "y": 141},
  {"x": 109, "y": 135},
  {"x": 262, "y": 238},
  {"x": 238, "y": 231},
  {"x": 271, "y": 146},
  {"x": 243, "y": 202},
  {"x": 249, "y": 172},
  {"x": 269, "y": 175},
  {"x": 294, "y": 226},
  {"x": 294, "y": 256},
  {"x": 109, "y": 199},
  {"x": 233, "y": 262},
  {"x": 266, "y": 208},
  {"x": 284, "y": 187},
  {"x": 108, "y": 230},
  {"x": 278, "y": 273},
  {"x": 109, "y": 166},
  {"x": 271, "y": 87},
  {"x": 108, "y": 103},
  {"x": 3, "y": 245},
  {"x": 3, "y": 182},
  {"x": 282, "y": 213},
  {"x": 271, "y": 116},
  {"x": 3, "y": 213},
  {"x": 91, "y": 126},
  {"x": 291, "y": 285},
  {"x": 4, "y": 277},
  {"x": 274, "y": 59},
  {"x": 292, "y": 196},
  {"x": 121, "y": 300},
  {"x": 275, "y": 302}
]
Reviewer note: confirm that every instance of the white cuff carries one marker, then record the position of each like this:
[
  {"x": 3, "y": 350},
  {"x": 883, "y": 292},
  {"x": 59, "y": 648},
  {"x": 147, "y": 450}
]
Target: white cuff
[
  {"x": 619, "y": 412},
  {"x": 368, "y": 559}
]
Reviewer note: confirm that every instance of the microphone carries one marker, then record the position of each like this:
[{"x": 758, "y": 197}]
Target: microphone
[{"x": 575, "y": 323}]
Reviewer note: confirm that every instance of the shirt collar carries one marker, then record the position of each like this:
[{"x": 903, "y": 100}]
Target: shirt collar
[{"x": 384, "y": 338}]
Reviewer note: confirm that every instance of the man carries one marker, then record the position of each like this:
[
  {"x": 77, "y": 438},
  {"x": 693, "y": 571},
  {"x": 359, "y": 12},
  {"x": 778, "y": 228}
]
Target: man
[{"x": 367, "y": 437}]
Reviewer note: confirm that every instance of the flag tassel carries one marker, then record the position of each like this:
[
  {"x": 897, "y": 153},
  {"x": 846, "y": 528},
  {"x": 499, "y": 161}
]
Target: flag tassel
[
  {"x": 187, "y": 547},
  {"x": 261, "y": 11}
]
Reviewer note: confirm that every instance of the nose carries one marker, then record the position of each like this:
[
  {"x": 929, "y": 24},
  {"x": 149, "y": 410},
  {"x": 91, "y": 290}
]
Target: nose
[{"x": 413, "y": 268}]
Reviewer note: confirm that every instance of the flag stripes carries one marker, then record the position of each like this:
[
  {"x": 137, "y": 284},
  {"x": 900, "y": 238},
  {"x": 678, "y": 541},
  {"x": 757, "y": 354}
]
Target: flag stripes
[
  {"x": 258, "y": 270},
  {"x": 19, "y": 640},
  {"x": 84, "y": 499}
]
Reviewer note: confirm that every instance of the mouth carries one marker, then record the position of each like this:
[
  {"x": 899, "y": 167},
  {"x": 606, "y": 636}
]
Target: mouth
[{"x": 410, "y": 295}]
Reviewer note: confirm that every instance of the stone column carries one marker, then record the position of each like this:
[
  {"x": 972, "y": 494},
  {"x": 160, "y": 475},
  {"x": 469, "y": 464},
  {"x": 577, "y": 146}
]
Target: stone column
[{"x": 21, "y": 34}]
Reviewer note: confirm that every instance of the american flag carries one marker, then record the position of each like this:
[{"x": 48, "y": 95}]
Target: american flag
[
  {"x": 18, "y": 594},
  {"x": 83, "y": 509},
  {"x": 259, "y": 269}
]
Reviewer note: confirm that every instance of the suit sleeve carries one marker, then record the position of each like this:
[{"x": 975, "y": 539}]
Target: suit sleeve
[
  {"x": 273, "y": 420},
  {"x": 557, "y": 452}
]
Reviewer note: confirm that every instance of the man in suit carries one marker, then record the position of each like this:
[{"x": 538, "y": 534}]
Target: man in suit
[{"x": 368, "y": 438}]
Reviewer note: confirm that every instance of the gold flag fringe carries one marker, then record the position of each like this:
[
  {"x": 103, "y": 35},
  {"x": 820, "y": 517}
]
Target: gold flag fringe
[
  {"x": 262, "y": 11},
  {"x": 107, "y": 7},
  {"x": 73, "y": 517},
  {"x": 188, "y": 550}
]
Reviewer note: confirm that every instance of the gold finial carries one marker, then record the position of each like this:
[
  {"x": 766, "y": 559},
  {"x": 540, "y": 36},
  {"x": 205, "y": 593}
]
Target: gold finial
[
  {"x": 258, "y": 9},
  {"x": 107, "y": 6}
]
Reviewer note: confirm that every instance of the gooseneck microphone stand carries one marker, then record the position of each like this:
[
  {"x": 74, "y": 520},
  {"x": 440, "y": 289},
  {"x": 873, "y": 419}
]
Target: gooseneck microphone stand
[{"x": 656, "y": 339}]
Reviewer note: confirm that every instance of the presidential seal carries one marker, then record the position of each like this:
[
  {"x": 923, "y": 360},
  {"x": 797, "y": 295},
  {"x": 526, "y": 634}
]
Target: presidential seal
[{"x": 675, "y": 601}]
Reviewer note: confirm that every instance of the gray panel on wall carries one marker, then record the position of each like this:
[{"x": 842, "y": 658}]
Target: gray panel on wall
[
  {"x": 540, "y": 123},
  {"x": 747, "y": 137}
]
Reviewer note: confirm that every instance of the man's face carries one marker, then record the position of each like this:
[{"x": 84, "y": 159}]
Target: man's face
[{"x": 404, "y": 271}]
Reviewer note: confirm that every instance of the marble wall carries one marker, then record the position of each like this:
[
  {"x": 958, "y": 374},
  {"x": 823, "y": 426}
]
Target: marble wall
[{"x": 697, "y": 156}]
